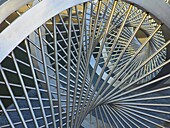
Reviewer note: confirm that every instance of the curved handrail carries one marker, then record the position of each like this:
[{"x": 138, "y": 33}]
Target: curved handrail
[
  {"x": 10, "y": 6},
  {"x": 157, "y": 8},
  {"x": 16, "y": 32},
  {"x": 21, "y": 28}
]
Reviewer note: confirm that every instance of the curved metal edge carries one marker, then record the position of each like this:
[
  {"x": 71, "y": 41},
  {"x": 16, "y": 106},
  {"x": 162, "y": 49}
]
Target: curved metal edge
[
  {"x": 2, "y": 2},
  {"x": 157, "y": 8},
  {"x": 160, "y": 11},
  {"x": 10, "y": 6},
  {"x": 29, "y": 21}
]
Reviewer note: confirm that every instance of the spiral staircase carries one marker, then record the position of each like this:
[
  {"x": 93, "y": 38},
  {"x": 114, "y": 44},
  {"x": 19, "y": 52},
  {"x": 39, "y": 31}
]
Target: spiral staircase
[{"x": 84, "y": 63}]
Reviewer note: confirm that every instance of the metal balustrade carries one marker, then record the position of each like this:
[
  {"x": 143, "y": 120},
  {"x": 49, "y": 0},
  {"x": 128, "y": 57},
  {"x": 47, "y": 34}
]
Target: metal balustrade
[{"x": 82, "y": 63}]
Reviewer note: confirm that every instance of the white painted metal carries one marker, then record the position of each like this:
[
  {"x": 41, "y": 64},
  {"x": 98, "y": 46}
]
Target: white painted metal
[
  {"x": 11, "y": 6},
  {"x": 153, "y": 7},
  {"x": 14, "y": 34},
  {"x": 84, "y": 62}
]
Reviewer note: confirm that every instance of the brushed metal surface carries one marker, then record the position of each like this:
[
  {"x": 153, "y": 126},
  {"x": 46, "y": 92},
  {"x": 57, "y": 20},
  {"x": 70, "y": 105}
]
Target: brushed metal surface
[
  {"x": 10, "y": 6},
  {"x": 157, "y": 8},
  {"x": 21, "y": 27}
]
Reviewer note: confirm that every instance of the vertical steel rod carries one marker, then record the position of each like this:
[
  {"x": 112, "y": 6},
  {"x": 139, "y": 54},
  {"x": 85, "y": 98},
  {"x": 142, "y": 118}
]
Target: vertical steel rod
[
  {"x": 46, "y": 77},
  {"x": 24, "y": 89},
  {"x": 36, "y": 84},
  {"x": 13, "y": 97},
  {"x": 68, "y": 69},
  {"x": 57, "y": 72},
  {"x": 6, "y": 114}
]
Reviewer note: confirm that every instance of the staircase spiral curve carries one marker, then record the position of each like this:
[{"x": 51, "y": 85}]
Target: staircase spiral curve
[{"x": 84, "y": 63}]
